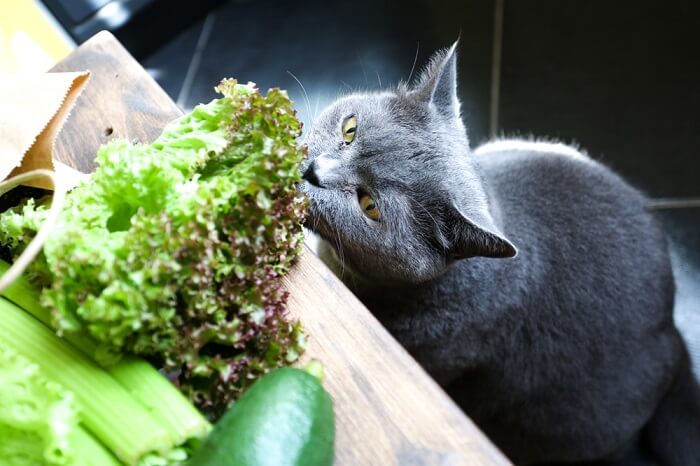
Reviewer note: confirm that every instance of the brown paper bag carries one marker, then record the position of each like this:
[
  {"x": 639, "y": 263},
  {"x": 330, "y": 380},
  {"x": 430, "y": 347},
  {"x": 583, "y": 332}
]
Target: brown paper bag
[{"x": 32, "y": 111}]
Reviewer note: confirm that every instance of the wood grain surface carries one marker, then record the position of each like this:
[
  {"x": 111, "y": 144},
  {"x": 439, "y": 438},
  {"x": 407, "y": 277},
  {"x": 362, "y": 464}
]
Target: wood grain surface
[
  {"x": 121, "y": 101},
  {"x": 388, "y": 410}
]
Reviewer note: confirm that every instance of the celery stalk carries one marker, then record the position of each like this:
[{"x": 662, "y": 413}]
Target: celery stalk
[
  {"x": 39, "y": 420},
  {"x": 92, "y": 452},
  {"x": 107, "y": 409},
  {"x": 19, "y": 450},
  {"x": 151, "y": 389},
  {"x": 161, "y": 398}
]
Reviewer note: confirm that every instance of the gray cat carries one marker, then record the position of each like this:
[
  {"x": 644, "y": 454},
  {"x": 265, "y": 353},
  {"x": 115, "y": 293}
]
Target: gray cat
[{"x": 530, "y": 281}]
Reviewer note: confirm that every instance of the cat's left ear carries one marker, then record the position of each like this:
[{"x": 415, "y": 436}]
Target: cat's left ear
[
  {"x": 438, "y": 83},
  {"x": 474, "y": 233}
]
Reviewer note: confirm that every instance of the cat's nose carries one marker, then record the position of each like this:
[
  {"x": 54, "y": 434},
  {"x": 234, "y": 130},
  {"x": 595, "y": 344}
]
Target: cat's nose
[{"x": 310, "y": 175}]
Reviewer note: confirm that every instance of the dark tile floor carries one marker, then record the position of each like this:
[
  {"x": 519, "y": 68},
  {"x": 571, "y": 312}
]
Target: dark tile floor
[
  {"x": 620, "y": 78},
  {"x": 331, "y": 48}
]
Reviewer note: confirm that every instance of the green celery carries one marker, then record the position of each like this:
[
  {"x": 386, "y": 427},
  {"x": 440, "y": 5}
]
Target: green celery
[
  {"x": 92, "y": 452},
  {"x": 161, "y": 398},
  {"x": 107, "y": 410},
  {"x": 151, "y": 389},
  {"x": 39, "y": 420}
]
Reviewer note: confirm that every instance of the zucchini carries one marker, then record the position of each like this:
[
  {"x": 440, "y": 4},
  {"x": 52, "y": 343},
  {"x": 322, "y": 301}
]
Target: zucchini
[{"x": 284, "y": 419}]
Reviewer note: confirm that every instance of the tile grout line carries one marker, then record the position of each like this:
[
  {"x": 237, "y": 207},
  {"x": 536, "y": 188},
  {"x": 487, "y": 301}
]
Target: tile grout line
[
  {"x": 496, "y": 66},
  {"x": 664, "y": 203},
  {"x": 192, "y": 69}
]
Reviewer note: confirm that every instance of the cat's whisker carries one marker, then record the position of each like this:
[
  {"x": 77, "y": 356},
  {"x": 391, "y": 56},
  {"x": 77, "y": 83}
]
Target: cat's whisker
[
  {"x": 379, "y": 79},
  {"x": 359, "y": 60},
  {"x": 318, "y": 97},
  {"x": 338, "y": 248},
  {"x": 413, "y": 67},
  {"x": 306, "y": 96},
  {"x": 315, "y": 222},
  {"x": 346, "y": 89},
  {"x": 342, "y": 255},
  {"x": 437, "y": 225},
  {"x": 353, "y": 280}
]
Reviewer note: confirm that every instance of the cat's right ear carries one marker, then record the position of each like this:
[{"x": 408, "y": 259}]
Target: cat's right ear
[{"x": 437, "y": 85}]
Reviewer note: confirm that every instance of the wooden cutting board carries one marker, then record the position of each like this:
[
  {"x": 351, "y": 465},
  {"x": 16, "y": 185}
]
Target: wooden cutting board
[{"x": 388, "y": 410}]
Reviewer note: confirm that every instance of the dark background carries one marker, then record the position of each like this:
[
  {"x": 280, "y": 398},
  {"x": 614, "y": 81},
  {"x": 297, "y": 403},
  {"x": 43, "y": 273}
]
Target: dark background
[{"x": 620, "y": 78}]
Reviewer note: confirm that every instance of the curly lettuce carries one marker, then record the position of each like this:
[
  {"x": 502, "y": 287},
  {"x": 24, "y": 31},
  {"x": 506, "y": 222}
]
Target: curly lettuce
[
  {"x": 39, "y": 420},
  {"x": 174, "y": 250},
  {"x": 37, "y": 417}
]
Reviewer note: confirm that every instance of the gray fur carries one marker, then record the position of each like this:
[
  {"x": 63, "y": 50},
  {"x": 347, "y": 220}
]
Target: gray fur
[{"x": 534, "y": 286}]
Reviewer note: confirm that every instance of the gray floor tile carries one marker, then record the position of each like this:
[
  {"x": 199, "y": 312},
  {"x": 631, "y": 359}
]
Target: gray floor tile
[
  {"x": 169, "y": 64},
  {"x": 621, "y": 78},
  {"x": 335, "y": 47}
]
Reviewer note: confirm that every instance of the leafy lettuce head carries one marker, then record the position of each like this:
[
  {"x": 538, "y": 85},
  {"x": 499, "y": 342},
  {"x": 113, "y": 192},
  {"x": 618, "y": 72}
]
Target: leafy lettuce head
[{"x": 174, "y": 250}]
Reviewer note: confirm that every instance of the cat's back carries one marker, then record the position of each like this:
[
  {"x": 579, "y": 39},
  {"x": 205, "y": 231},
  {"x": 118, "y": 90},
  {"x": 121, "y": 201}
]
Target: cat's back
[
  {"x": 592, "y": 284},
  {"x": 552, "y": 189},
  {"x": 531, "y": 170},
  {"x": 579, "y": 224}
]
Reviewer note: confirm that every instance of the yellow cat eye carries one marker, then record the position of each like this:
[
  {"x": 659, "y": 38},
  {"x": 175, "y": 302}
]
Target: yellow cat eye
[
  {"x": 369, "y": 207},
  {"x": 349, "y": 129}
]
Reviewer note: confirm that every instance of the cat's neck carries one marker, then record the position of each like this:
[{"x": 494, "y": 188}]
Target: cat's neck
[{"x": 360, "y": 284}]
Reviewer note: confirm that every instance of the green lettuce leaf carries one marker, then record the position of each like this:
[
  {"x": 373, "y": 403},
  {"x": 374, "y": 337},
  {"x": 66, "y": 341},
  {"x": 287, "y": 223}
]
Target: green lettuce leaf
[
  {"x": 37, "y": 417},
  {"x": 174, "y": 250}
]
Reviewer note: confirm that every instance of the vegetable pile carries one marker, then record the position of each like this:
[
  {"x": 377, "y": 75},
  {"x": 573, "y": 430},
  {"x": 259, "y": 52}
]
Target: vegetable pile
[
  {"x": 60, "y": 408},
  {"x": 174, "y": 250}
]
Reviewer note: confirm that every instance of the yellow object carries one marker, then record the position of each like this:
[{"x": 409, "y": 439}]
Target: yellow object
[{"x": 30, "y": 38}]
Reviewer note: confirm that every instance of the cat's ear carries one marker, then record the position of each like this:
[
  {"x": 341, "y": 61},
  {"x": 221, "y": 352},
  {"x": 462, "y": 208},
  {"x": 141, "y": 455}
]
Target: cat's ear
[
  {"x": 474, "y": 233},
  {"x": 437, "y": 85}
]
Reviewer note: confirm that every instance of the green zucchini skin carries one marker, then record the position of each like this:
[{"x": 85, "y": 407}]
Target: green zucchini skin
[{"x": 285, "y": 419}]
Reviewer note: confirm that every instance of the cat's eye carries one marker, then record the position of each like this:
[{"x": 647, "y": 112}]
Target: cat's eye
[
  {"x": 349, "y": 129},
  {"x": 369, "y": 207}
]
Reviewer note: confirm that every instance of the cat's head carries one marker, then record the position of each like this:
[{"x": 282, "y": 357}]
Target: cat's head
[{"x": 391, "y": 181}]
